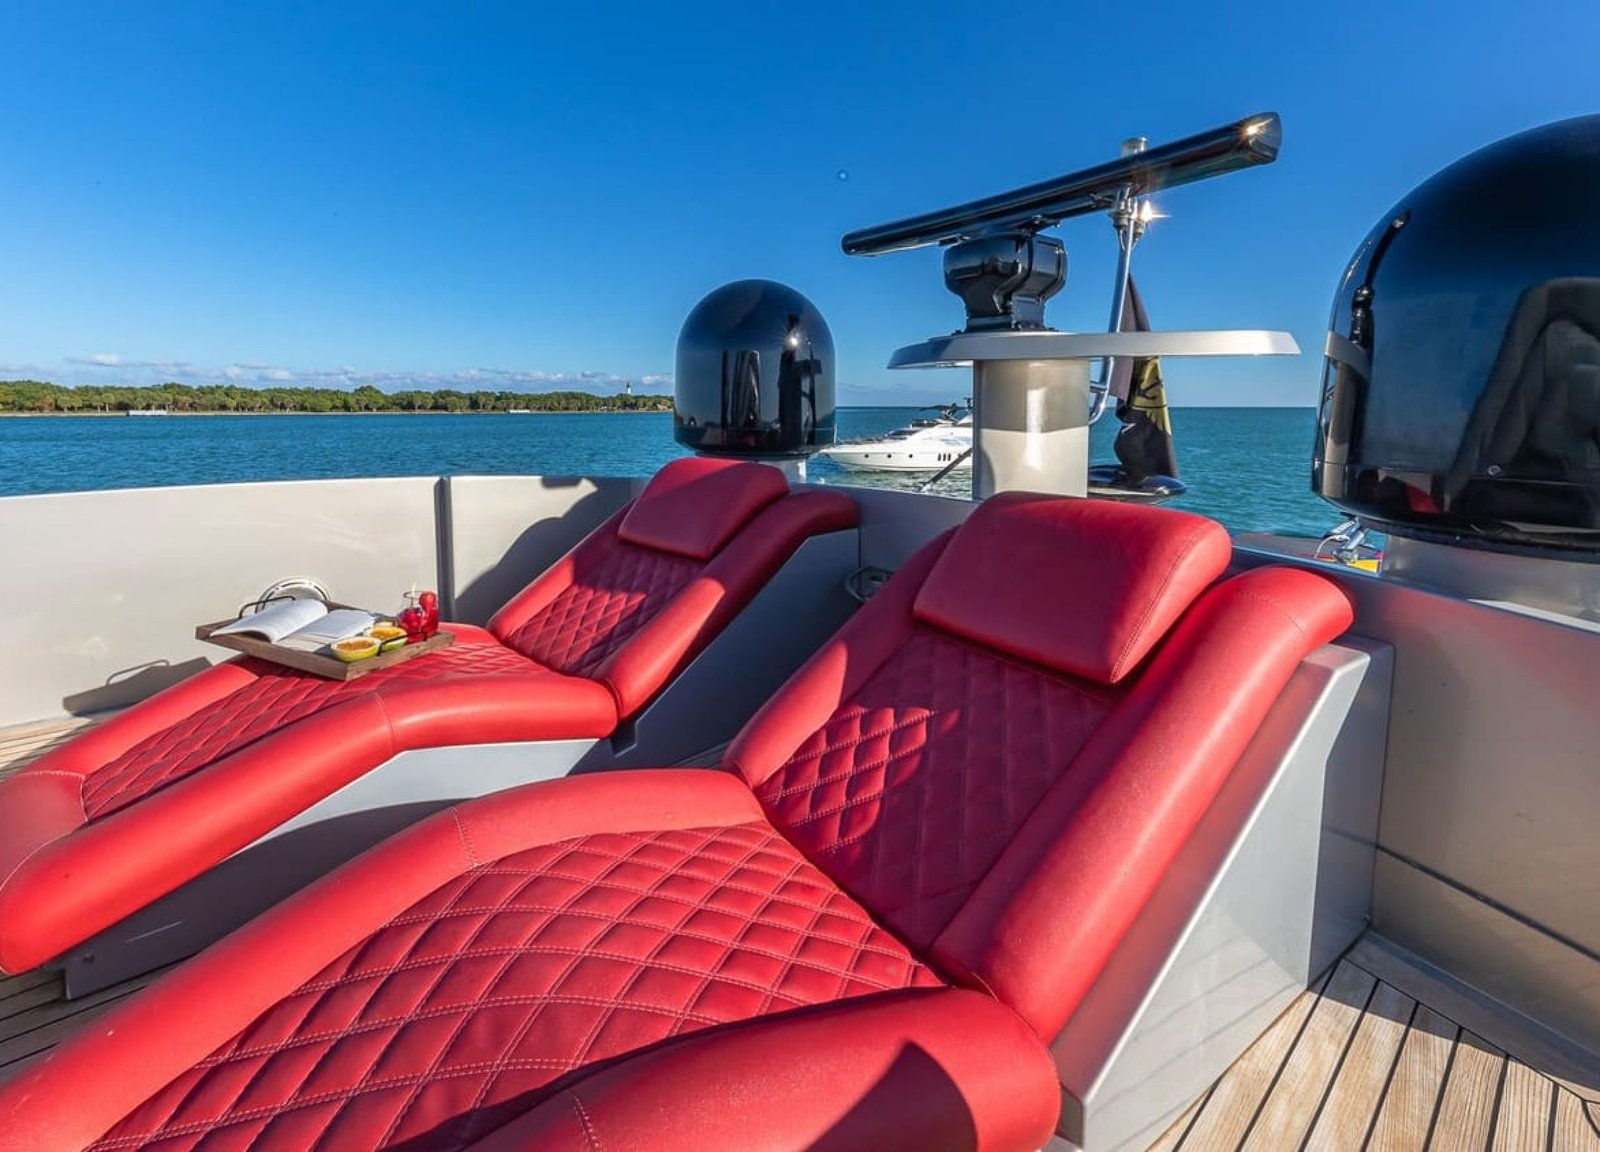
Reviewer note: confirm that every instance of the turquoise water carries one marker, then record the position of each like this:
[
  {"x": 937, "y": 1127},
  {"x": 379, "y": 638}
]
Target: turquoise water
[{"x": 1248, "y": 467}]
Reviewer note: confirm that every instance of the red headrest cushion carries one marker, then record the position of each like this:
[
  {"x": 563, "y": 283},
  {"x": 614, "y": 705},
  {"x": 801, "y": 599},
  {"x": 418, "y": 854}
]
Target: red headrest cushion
[
  {"x": 694, "y": 506},
  {"x": 1084, "y": 586}
]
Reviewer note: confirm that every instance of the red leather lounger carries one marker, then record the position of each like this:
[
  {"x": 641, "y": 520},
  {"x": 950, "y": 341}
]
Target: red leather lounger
[
  {"x": 149, "y": 800},
  {"x": 861, "y": 934}
]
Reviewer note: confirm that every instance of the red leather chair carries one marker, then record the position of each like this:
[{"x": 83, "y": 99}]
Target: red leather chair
[
  {"x": 861, "y": 934},
  {"x": 154, "y": 797}
]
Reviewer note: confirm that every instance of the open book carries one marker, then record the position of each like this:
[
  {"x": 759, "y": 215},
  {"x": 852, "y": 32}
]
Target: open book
[{"x": 305, "y": 625}]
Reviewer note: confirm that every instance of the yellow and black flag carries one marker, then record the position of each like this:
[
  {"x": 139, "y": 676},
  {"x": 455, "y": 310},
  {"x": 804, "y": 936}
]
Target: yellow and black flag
[{"x": 1144, "y": 442}]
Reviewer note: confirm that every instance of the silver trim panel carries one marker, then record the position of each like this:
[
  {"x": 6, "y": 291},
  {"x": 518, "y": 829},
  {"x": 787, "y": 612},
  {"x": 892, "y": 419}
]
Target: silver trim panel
[{"x": 1274, "y": 884}]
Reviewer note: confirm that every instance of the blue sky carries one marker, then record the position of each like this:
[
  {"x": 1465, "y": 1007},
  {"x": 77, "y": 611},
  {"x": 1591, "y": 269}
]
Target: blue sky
[{"x": 535, "y": 195}]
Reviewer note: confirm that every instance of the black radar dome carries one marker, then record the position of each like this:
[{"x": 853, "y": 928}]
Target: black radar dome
[
  {"x": 1461, "y": 391},
  {"x": 755, "y": 374}
]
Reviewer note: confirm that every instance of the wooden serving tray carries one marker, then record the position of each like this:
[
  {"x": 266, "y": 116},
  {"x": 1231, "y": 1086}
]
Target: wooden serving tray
[{"x": 314, "y": 662}]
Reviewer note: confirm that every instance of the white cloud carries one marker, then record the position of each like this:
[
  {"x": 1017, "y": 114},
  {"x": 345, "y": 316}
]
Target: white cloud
[{"x": 112, "y": 360}]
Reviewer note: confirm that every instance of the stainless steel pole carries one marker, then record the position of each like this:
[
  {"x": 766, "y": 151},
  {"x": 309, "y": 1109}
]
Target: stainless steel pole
[{"x": 1125, "y": 217}]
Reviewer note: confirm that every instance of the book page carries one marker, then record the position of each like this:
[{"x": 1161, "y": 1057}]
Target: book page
[
  {"x": 336, "y": 625},
  {"x": 274, "y": 623}
]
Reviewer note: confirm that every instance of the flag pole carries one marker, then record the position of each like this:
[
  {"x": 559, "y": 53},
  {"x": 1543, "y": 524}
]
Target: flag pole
[{"x": 1129, "y": 217}]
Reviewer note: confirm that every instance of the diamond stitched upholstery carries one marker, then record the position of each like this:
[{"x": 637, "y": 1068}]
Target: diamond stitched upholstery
[
  {"x": 119, "y": 817},
  {"x": 474, "y": 1004},
  {"x": 602, "y": 609},
  {"x": 277, "y": 697},
  {"x": 916, "y": 784},
  {"x": 711, "y": 986}
]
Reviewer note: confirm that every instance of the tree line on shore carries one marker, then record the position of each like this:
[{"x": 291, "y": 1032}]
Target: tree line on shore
[{"x": 38, "y": 396}]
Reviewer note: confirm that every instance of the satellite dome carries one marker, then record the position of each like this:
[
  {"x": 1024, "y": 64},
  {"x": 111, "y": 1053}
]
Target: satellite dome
[
  {"x": 755, "y": 374},
  {"x": 1461, "y": 391}
]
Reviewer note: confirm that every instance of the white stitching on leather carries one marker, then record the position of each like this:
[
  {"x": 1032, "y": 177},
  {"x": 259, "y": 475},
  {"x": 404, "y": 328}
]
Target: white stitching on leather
[{"x": 586, "y": 1123}]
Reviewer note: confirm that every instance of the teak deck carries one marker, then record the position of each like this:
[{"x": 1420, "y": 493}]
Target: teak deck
[
  {"x": 27, "y": 742},
  {"x": 1381, "y": 1054},
  {"x": 1384, "y": 1054}
]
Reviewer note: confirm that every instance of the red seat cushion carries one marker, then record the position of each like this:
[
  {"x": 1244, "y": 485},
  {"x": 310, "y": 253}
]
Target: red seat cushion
[
  {"x": 471, "y": 1005},
  {"x": 602, "y": 609},
  {"x": 694, "y": 506},
  {"x": 278, "y": 696},
  {"x": 916, "y": 783},
  {"x": 630, "y": 617},
  {"x": 1086, "y": 587}
]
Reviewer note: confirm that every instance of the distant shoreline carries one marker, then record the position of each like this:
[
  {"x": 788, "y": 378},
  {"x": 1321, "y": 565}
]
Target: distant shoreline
[
  {"x": 392, "y": 412},
  {"x": 571, "y": 412},
  {"x": 42, "y": 398}
]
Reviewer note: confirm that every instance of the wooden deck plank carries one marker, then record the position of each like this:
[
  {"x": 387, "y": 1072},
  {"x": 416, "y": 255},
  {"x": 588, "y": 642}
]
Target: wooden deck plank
[
  {"x": 1514, "y": 1035},
  {"x": 1173, "y": 1138},
  {"x": 1358, "y": 1089},
  {"x": 25, "y": 1002},
  {"x": 1408, "y": 1106},
  {"x": 1232, "y": 1104},
  {"x": 42, "y": 1027},
  {"x": 1471, "y": 1095},
  {"x": 23, "y": 743},
  {"x": 1527, "y": 1100},
  {"x": 1368, "y": 1063},
  {"x": 18, "y": 755},
  {"x": 43, "y": 730},
  {"x": 13, "y": 985},
  {"x": 1573, "y": 1131},
  {"x": 16, "y": 745},
  {"x": 33, "y": 728},
  {"x": 1292, "y": 1105}
]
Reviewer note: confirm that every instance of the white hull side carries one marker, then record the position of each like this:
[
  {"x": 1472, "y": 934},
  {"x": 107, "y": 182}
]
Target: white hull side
[{"x": 878, "y": 459}]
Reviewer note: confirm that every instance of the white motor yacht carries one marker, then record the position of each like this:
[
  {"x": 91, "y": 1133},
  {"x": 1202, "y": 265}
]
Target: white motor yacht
[{"x": 928, "y": 445}]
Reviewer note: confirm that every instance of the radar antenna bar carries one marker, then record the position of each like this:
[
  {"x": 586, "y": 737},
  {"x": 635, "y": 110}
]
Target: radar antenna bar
[{"x": 1242, "y": 144}]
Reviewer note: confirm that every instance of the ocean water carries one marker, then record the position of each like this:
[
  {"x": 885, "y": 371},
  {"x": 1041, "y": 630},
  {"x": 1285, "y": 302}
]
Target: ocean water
[{"x": 1248, "y": 467}]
